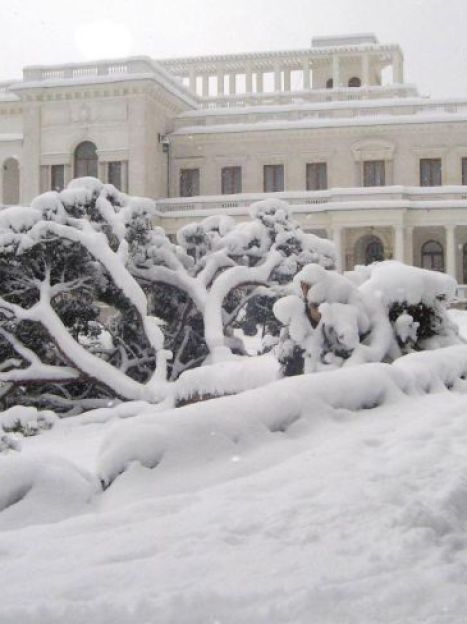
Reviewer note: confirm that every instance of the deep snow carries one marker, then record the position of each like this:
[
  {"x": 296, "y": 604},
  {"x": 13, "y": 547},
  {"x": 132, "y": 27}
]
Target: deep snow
[{"x": 348, "y": 517}]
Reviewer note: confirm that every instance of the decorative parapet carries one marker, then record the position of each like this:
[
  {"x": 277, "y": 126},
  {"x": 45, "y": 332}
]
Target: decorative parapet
[{"x": 386, "y": 197}]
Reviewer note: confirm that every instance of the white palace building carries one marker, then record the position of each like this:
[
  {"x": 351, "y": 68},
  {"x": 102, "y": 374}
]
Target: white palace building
[{"x": 333, "y": 129}]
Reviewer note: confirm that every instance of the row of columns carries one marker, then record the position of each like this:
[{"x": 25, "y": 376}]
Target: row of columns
[
  {"x": 282, "y": 75},
  {"x": 282, "y": 80},
  {"x": 403, "y": 246}
]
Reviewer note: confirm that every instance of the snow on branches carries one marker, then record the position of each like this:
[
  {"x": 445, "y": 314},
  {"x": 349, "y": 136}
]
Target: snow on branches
[
  {"x": 89, "y": 246},
  {"x": 373, "y": 314}
]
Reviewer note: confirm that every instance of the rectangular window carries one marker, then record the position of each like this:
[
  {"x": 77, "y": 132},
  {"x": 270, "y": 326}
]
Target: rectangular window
[
  {"x": 430, "y": 172},
  {"x": 316, "y": 176},
  {"x": 114, "y": 174},
  {"x": 231, "y": 179},
  {"x": 273, "y": 178},
  {"x": 374, "y": 173},
  {"x": 189, "y": 182},
  {"x": 57, "y": 177},
  {"x": 464, "y": 171}
]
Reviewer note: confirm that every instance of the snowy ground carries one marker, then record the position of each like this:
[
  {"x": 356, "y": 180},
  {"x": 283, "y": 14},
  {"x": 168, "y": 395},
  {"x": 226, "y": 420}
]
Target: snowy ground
[{"x": 361, "y": 518}]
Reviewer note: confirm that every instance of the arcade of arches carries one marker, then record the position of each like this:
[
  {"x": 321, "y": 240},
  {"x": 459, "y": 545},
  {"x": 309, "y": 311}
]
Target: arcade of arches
[{"x": 439, "y": 248}]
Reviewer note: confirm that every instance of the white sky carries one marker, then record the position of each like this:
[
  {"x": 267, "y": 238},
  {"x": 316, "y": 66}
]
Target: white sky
[{"x": 432, "y": 33}]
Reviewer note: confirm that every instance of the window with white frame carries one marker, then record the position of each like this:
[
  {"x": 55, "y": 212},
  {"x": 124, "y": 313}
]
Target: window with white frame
[
  {"x": 273, "y": 178},
  {"x": 464, "y": 171},
  {"x": 189, "y": 182},
  {"x": 57, "y": 177},
  {"x": 316, "y": 176},
  {"x": 114, "y": 174},
  {"x": 430, "y": 172},
  {"x": 231, "y": 180},
  {"x": 374, "y": 173}
]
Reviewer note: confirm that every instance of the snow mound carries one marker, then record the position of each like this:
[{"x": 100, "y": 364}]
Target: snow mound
[
  {"x": 229, "y": 377},
  {"x": 181, "y": 439},
  {"x": 26, "y": 420},
  {"x": 41, "y": 489}
]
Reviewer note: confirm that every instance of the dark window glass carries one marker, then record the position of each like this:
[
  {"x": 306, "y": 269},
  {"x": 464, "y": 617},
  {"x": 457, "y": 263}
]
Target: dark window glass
[
  {"x": 273, "y": 178},
  {"x": 433, "y": 256},
  {"x": 374, "y": 173},
  {"x": 430, "y": 172},
  {"x": 329, "y": 83},
  {"x": 115, "y": 174},
  {"x": 355, "y": 82},
  {"x": 189, "y": 182},
  {"x": 85, "y": 160},
  {"x": 57, "y": 177},
  {"x": 231, "y": 180},
  {"x": 316, "y": 176},
  {"x": 464, "y": 171}
]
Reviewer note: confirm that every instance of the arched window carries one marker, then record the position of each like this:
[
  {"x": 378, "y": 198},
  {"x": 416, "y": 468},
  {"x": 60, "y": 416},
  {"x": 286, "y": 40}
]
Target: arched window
[
  {"x": 374, "y": 251},
  {"x": 329, "y": 83},
  {"x": 10, "y": 182},
  {"x": 85, "y": 160},
  {"x": 433, "y": 256},
  {"x": 355, "y": 82},
  {"x": 368, "y": 249}
]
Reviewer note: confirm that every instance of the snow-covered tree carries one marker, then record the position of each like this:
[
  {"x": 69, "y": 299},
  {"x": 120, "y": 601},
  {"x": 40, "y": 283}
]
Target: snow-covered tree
[
  {"x": 217, "y": 268},
  {"x": 59, "y": 259},
  {"x": 89, "y": 246},
  {"x": 373, "y": 314}
]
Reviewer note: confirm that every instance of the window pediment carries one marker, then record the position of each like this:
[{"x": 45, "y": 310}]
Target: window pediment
[{"x": 373, "y": 150}]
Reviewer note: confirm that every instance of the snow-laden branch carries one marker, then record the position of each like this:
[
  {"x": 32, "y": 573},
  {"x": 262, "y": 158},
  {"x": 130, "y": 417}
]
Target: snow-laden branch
[
  {"x": 97, "y": 245},
  {"x": 226, "y": 282},
  {"x": 37, "y": 371}
]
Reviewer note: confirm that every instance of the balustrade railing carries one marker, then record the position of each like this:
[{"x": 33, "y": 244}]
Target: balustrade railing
[{"x": 366, "y": 197}]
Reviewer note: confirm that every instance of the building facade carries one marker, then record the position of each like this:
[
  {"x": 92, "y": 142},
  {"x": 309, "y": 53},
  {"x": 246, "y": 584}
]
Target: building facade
[{"x": 333, "y": 129}]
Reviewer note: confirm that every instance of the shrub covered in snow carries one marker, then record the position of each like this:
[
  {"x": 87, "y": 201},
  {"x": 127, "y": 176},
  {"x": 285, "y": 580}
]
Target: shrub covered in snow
[
  {"x": 373, "y": 314},
  {"x": 89, "y": 246}
]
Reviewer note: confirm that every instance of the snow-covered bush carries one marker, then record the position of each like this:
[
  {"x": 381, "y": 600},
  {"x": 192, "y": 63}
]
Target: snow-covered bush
[
  {"x": 218, "y": 267},
  {"x": 373, "y": 314},
  {"x": 59, "y": 258},
  {"x": 72, "y": 253}
]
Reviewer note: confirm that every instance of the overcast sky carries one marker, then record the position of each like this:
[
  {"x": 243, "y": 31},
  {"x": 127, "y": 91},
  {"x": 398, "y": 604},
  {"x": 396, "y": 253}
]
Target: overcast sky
[{"x": 432, "y": 33}]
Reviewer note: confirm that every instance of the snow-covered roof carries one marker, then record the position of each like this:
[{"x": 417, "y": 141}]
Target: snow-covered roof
[{"x": 303, "y": 124}]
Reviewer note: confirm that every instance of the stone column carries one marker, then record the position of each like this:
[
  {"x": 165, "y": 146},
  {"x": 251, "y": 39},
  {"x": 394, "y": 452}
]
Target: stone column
[
  {"x": 306, "y": 75},
  {"x": 337, "y": 240},
  {"x": 409, "y": 245},
  {"x": 232, "y": 84},
  {"x": 248, "y": 79},
  {"x": 451, "y": 250},
  {"x": 259, "y": 82},
  {"x": 29, "y": 170},
  {"x": 287, "y": 80},
  {"x": 399, "y": 243},
  {"x": 205, "y": 85},
  {"x": 365, "y": 70},
  {"x": 192, "y": 78},
  {"x": 397, "y": 69},
  {"x": 336, "y": 73},
  {"x": 277, "y": 78},
  {"x": 220, "y": 83}
]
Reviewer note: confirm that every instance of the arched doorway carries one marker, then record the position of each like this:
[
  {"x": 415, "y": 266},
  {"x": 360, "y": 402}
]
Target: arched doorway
[
  {"x": 355, "y": 82},
  {"x": 369, "y": 249},
  {"x": 329, "y": 83},
  {"x": 85, "y": 160},
  {"x": 464, "y": 264},
  {"x": 10, "y": 181},
  {"x": 433, "y": 256}
]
